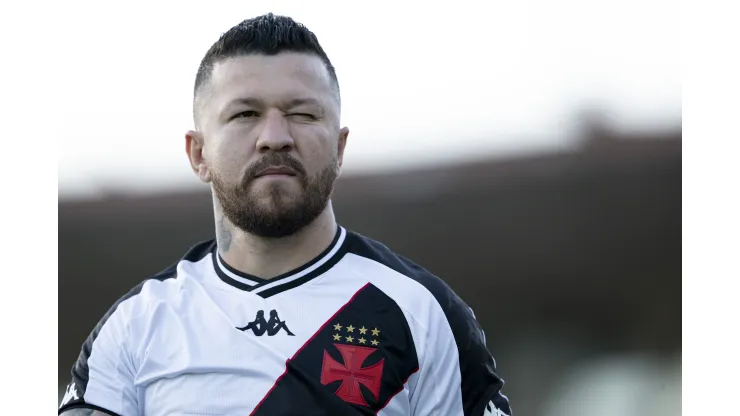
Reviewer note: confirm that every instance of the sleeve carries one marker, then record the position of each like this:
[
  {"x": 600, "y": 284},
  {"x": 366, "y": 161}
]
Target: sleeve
[
  {"x": 102, "y": 378},
  {"x": 458, "y": 374}
]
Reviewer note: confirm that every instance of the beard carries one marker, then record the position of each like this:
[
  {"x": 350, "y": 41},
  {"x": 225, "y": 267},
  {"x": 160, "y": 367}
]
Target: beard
[{"x": 276, "y": 214}]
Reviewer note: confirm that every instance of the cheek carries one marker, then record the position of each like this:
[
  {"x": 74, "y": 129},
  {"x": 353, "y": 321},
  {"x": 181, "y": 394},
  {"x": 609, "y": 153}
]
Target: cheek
[
  {"x": 316, "y": 155},
  {"x": 230, "y": 154},
  {"x": 320, "y": 160},
  {"x": 224, "y": 165},
  {"x": 314, "y": 141}
]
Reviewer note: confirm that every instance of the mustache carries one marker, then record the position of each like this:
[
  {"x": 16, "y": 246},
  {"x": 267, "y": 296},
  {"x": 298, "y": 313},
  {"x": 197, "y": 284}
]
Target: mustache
[{"x": 273, "y": 159}]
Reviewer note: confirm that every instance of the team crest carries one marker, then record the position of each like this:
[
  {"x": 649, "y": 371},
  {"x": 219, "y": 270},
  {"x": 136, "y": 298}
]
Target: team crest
[
  {"x": 343, "y": 368},
  {"x": 355, "y": 345}
]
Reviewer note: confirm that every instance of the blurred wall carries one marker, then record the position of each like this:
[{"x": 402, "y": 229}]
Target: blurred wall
[{"x": 571, "y": 261}]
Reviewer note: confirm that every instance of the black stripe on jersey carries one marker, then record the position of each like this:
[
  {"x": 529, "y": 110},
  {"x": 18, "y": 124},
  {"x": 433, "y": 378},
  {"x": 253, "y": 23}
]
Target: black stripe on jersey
[
  {"x": 353, "y": 365},
  {"x": 259, "y": 282},
  {"x": 80, "y": 370},
  {"x": 318, "y": 272},
  {"x": 480, "y": 383}
]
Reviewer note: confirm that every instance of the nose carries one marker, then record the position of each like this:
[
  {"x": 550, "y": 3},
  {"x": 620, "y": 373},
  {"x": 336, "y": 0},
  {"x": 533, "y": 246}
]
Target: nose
[{"x": 274, "y": 135}]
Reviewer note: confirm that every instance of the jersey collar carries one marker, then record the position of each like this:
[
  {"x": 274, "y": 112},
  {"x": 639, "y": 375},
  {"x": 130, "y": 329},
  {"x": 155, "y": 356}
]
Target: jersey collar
[{"x": 268, "y": 287}]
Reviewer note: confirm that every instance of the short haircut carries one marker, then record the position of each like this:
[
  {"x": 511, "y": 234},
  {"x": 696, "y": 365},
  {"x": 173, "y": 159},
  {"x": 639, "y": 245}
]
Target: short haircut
[{"x": 263, "y": 35}]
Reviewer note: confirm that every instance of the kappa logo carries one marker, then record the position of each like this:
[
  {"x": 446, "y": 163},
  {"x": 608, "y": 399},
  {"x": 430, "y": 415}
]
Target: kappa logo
[
  {"x": 492, "y": 410},
  {"x": 70, "y": 394},
  {"x": 352, "y": 374},
  {"x": 260, "y": 326}
]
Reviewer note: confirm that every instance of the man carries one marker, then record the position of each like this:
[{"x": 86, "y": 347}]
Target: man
[{"x": 353, "y": 328}]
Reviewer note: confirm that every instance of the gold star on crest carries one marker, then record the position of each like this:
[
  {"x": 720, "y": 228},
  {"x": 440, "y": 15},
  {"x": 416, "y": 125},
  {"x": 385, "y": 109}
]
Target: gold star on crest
[
  {"x": 337, "y": 337},
  {"x": 375, "y": 332},
  {"x": 374, "y": 342},
  {"x": 338, "y": 327},
  {"x": 350, "y": 329},
  {"x": 363, "y": 330},
  {"x": 362, "y": 340},
  {"x": 349, "y": 338}
]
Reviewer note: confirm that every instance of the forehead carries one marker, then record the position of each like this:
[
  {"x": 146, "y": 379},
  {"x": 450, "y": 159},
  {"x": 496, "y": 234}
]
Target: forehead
[{"x": 280, "y": 77}]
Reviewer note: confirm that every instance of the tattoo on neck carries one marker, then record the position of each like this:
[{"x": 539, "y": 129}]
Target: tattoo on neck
[{"x": 224, "y": 235}]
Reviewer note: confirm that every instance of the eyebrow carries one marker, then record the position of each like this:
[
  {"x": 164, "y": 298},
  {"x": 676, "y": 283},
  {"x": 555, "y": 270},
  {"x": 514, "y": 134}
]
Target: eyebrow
[
  {"x": 302, "y": 101},
  {"x": 247, "y": 101},
  {"x": 256, "y": 102}
]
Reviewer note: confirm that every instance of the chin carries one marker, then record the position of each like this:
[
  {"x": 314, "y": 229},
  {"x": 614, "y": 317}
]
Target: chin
[
  {"x": 273, "y": 189},
  {"x": 279, "y": 201}
]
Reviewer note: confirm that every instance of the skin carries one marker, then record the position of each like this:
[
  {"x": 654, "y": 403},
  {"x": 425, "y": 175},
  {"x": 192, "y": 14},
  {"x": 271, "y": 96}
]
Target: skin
[
  {"x": 226, "y": 147},
  {"x": 253, "y": 106}
]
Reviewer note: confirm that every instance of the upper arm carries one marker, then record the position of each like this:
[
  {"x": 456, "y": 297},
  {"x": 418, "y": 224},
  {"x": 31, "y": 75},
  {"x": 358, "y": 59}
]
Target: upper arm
[
  {"x": 102, "y": 378},
  {"x": 481, "y": 383},
  {"x": 84, "y": 411},
  {"x": 458, "y": 373}
]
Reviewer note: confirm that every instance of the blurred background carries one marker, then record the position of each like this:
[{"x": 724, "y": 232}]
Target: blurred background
[{"x": 528, "y": 154}]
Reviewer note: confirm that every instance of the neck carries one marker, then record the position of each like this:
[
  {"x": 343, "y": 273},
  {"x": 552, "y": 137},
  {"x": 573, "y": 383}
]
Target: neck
[{"x": 270, "y": 257}]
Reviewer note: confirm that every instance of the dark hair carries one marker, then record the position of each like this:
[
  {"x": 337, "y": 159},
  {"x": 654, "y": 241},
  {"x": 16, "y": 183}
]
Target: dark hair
[{"x": 263, "y": 35}]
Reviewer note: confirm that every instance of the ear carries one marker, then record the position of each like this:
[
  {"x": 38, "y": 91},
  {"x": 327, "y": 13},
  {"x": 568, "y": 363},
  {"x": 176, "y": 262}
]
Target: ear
[
  {"x": 341, "y": 144},
  {"x": 194, "y": 148}
]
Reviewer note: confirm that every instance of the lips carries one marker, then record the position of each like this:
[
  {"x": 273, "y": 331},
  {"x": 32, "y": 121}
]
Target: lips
[{"x": 276, "y": 170}]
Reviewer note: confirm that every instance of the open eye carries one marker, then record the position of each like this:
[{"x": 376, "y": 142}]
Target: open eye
[{"x": 246, "y": 114}]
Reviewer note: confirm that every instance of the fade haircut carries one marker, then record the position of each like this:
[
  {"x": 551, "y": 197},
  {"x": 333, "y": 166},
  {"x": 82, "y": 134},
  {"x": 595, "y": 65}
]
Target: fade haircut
[{"x": 263, "y": 35}]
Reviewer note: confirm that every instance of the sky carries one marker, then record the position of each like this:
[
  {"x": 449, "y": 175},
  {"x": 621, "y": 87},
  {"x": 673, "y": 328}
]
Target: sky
[{"x": 421, "y": 84}]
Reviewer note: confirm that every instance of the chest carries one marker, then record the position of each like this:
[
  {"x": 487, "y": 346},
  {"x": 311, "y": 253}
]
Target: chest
[{"x": 338, "y": 355}]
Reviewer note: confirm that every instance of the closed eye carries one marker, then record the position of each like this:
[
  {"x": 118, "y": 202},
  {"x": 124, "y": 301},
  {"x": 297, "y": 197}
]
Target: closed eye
[{"x": 305, "y": 116}]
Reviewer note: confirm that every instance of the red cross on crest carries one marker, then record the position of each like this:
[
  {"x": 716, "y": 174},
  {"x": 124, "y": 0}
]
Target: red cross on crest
[{"x": 352, "y": 374}]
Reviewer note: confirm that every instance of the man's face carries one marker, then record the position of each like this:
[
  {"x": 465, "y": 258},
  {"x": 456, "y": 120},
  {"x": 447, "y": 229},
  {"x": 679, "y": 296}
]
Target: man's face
[{"x": 271, "y": 143}]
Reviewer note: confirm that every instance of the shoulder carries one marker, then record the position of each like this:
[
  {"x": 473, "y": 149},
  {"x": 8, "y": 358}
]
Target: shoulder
[
  {"x": 455, "y": 340},
  {"x": 152, "y": 290},
  {"x": 112, "y": 365},
  {"x": 377, "y": 252},
  {"x": 410, "y": 275}
]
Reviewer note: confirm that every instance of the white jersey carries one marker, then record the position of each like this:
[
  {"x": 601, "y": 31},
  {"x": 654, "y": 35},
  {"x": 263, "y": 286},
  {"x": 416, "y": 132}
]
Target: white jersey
[{"x": 357, "y": 331}]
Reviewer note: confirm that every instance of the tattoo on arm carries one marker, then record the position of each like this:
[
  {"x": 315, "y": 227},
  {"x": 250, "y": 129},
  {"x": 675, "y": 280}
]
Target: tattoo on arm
[{"x": 224, "y": 235}]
